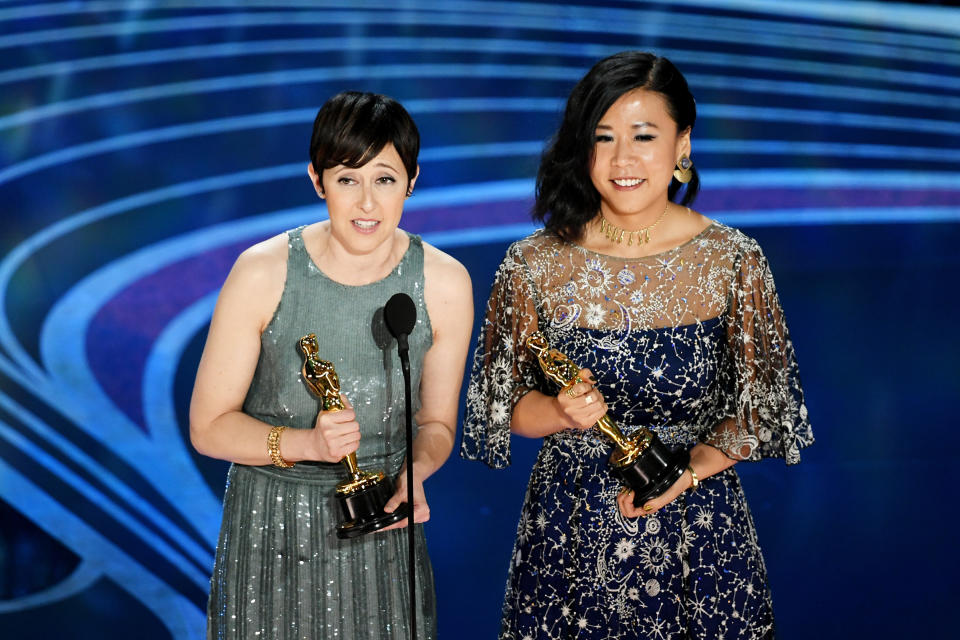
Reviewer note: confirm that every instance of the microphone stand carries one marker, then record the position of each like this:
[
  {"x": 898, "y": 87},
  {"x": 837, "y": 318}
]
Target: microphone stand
[
  {"x": 403, "y": 350},
  {"x": 400, "y": 316}
]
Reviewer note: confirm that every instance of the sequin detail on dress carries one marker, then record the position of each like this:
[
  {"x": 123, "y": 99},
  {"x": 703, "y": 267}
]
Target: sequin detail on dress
[
  {"x": 691, "y": 343},
  {"x": 281, "y": 572}
]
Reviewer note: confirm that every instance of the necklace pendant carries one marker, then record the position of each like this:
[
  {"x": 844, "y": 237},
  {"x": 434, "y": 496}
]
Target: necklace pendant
[{"x": 642, "y": 236}]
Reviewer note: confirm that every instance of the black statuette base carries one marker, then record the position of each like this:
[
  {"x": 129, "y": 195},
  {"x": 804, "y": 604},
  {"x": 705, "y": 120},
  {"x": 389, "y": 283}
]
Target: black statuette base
[
  {"x": 653, "y": 472},
  {"x": 363, "y": 510}
]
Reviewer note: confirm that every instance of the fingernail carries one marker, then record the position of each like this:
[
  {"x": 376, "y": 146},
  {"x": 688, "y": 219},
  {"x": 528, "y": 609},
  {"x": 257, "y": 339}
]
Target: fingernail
[{"x": 648, "y": 507}]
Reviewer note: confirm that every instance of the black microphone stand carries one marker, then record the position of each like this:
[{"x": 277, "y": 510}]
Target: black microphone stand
[
  {"x": 400, "y": 316},
  {"x": 405, "y": 366}
]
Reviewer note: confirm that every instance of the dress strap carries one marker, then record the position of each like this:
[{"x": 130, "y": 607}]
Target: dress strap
[
  {"x": 297, "y": 250},
  {"x": 415, "y": 254}
]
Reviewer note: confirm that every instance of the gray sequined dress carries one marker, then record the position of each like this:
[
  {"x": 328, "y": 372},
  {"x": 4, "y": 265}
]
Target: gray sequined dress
[
  {"x": 280, "y": 572},
  {"x": 691, "y": 343}
]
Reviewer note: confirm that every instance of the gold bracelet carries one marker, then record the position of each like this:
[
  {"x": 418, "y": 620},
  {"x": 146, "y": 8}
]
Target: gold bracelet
[
  {"x": 694, "y": 480},
  {"x": 273, "y": 447}
]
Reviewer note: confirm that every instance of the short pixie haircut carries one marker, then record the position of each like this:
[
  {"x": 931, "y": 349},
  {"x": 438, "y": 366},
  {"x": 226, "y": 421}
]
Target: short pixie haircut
[
  {"x": 352, "y": 127},
  {"x": 565, "y": 197}
]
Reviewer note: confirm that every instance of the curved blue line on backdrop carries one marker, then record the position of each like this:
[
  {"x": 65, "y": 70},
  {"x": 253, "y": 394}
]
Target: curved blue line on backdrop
[
  {"x": 793, "y": 148},
  {"x": 812, "y": 90},
  {"x": 300, "y": 116},
  {"x": 895, "y": 77},
  {"x": 183, "y": 619},
  {"x": 283, "y": 78},
  {"x": 892, "y": 15},
  {"x": 111, "y": 99},
  {"x": 611, "y": 21},
  {"x": 153, "y": 136},
  {"x": 62, "y": 227},
  {"x": 253, "y": 121},
  {"x": 830, "y": 118},
  {"x": 911, "y": 17},
  {"x": 223, "y": 125},
  {"x": 79, "y": 580},
  {"x": 479, "y": 235},
  {"x": 56, "y": 440},
  {"x": 844, "y": 215},
  {"x": 589, "y": 51},
  {"x": 837, "y": 178},
  {"x": 160, "y": 370},
  {"x": 58, "y": 470}
]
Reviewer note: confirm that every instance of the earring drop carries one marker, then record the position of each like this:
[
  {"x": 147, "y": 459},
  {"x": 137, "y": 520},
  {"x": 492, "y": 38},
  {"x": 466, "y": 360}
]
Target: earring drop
[{"x": 683, "y": 173}]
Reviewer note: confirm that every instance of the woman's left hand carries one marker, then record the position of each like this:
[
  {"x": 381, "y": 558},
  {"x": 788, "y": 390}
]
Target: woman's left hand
[
  {"x": 652, "y": 505},
  {"x": 421, "y": 510}
]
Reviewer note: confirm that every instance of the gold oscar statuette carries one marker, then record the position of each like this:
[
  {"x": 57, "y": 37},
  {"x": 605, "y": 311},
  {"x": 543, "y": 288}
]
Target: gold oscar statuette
[
  {"x": 640, "y": 461},
  {"x": 363, "y": 494}
]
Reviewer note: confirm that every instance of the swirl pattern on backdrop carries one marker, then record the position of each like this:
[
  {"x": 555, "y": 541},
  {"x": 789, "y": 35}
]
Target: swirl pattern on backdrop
[{"x": 143, "y": 146}]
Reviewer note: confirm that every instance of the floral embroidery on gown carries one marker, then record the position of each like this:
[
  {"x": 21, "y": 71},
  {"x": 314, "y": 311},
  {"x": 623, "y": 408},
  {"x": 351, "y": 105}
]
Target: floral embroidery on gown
[{"x": 691, "y": 343}]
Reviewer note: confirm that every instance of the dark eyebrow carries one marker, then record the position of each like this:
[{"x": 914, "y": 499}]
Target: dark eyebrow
[
  {"x": 638, "y": 125},
  {"x": 343, "y": 168}
]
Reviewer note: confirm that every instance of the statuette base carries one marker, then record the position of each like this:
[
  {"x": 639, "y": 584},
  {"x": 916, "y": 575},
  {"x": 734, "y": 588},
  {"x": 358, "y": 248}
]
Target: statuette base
[
  {"x": 363, "y": 509},
  {"x": 652, "y": 473}
]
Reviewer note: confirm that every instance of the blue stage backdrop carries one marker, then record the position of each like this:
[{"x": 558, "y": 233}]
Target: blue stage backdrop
[{"x": 144, "y": 144}]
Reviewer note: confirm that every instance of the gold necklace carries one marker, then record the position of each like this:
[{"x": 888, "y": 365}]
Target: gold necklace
[{"x": 615, "y": 233}]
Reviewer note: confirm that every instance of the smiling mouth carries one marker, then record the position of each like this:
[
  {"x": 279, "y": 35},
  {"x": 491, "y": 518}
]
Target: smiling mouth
[
  {"x": 365, "y": 224},
  {"x": 627, "y": 182}
]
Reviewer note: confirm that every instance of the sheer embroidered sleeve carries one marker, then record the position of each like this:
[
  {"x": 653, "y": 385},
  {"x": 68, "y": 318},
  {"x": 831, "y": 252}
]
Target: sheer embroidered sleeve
[
  {"x": 765, "y": 408},
  {"x": 502, "y": 370}
]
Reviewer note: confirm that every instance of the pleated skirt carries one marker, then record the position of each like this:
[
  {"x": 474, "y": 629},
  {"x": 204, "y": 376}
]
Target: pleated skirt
[{"x": 281, "y": 572}]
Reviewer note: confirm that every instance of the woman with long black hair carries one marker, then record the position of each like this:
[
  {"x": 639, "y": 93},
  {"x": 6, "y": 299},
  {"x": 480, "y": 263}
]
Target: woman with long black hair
[{"x": 678, "y": 326}]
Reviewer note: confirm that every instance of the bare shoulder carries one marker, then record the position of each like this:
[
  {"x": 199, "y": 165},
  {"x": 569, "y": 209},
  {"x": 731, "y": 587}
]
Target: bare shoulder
[
  {"x": 255, "y": 283},
  {"x": 264, "y": 259},
  {"x": 448, "y": 292},
  {"x": 443, "y": 269}
]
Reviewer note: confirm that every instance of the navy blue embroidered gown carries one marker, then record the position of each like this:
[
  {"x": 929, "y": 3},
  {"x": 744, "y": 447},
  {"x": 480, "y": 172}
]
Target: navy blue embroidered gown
[{"x": 691, "y": 343}]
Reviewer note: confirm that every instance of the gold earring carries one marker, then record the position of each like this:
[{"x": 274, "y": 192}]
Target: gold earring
[{"x": 684, "y": 171}]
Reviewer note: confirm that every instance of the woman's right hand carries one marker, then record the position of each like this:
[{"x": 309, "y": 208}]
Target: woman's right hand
[
  {"x": 336, "y": 433},
  {"x": 581, "y": 404}
]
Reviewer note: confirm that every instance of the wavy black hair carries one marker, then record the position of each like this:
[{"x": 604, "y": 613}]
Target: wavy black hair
[
  {"x": 352, "y": 127},
  {"x": 566, "y": 198}
]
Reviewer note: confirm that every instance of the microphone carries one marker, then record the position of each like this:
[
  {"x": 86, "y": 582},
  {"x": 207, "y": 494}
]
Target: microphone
[{"x": 400, "y": 314}]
